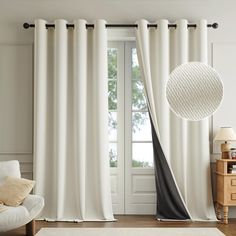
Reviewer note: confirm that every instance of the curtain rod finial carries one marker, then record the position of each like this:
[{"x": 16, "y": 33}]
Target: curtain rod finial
[
  {"x": 26, "y": 25},
  {"x": 215, "y": 25}
]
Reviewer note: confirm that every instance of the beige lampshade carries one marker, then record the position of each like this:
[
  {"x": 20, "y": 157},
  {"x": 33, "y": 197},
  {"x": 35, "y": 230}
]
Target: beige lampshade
[{"x": 225, "y": 134}]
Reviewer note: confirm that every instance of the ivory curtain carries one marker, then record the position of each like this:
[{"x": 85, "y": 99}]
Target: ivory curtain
[
  {"x": 181, "y": 148},
  {"x": 71, "y": 165}
]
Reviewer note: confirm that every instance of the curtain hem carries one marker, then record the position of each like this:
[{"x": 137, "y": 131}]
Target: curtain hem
[
  {"x": 76, "y": 220},
  {"x": 189, "y": 220}
]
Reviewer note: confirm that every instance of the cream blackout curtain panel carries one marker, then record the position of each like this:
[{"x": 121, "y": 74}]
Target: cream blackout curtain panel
[
  {"x": 181, "y": 148},
  {"x": 71, "y": 165}
]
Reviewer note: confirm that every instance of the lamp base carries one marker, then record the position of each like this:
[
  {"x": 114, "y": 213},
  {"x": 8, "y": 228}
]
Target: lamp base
[
  {"x": 225, "y": 155},
  {"x": 225, "y": 148}
]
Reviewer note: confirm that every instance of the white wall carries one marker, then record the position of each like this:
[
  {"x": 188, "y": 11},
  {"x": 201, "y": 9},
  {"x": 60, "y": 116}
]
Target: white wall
[{"x": 15, "y": 12}]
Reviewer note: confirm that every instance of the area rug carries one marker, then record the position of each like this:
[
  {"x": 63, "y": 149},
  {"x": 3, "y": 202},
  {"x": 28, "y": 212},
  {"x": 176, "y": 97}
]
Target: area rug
[{"x": 129, "y": 232}]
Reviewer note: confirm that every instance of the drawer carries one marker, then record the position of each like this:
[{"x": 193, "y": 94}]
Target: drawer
[
  {"x": 230, "y": 198},
  {"x": 229, "y": 184},
  {"x": 233, "y": 196}
]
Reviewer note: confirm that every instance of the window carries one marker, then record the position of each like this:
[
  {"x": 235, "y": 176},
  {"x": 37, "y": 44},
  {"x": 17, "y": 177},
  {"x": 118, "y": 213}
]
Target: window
[
  {"x": 112, "y": 105},
  {"x": 142, "y": 154},
  {"x": 136, "y": 130}
]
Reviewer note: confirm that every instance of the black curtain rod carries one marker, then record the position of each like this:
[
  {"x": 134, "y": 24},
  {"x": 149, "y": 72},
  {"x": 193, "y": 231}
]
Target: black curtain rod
[{"x": 214, "y": 25}]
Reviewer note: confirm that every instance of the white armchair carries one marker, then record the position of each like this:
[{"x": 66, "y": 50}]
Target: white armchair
[{"x": 24, "y": 214}]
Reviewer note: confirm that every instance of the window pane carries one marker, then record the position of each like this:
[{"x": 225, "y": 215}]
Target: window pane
[
  {"x": 113, "y": 154},
  {"x": 112, "y": 63},
  {"x": 112, "y": 95},
  {"x": 112, "y": 126},
  {"x": 138, "y": 96},
  {"x": 141, "y": 130},
  {"x": 135, "y": 66},
  {"x": 142, "y": 155}
]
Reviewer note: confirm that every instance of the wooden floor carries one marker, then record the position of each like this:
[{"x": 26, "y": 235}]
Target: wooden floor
[{"x": 132, "y": 221}]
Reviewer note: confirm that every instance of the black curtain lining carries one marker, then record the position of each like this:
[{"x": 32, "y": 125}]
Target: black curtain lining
[{"x": 169, "y": 203}]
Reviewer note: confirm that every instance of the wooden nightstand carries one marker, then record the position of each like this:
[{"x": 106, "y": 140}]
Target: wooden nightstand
[{"x": 226, "y": 188}]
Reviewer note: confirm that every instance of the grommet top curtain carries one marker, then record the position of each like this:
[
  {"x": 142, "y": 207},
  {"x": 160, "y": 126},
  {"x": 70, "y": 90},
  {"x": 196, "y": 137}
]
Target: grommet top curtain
[
  {"x": 181, "y": 148},
  {"x": 71, "y": 164}
]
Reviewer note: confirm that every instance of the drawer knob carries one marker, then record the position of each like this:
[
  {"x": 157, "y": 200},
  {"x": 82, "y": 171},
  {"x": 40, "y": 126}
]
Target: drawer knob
[{"x": 233, "y": 182}]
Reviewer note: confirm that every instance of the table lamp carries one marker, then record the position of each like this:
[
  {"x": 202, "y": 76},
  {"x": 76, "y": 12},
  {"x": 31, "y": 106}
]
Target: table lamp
[{"x": 225, "y": 134}]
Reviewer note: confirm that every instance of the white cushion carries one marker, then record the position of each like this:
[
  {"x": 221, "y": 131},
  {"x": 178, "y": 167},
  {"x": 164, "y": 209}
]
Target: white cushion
[
  {"x": 9, "y": 168},
  {"x": 15, "y": 217},
  {"x": 2, "y": 207},
  {"x": 34, "y": 204}
]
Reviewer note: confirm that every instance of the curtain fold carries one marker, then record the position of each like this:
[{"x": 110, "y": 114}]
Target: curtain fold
[
  {"x": 71, "y": 164},
  {"x": 181, "y": 148}
]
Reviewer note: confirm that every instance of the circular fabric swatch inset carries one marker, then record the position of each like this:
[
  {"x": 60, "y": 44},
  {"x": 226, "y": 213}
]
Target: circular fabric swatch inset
[{"x": 194, "y": 91}]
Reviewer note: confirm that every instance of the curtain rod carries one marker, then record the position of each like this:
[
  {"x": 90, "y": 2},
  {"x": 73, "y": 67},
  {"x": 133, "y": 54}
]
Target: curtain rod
[{"x": 214, "y": 25}]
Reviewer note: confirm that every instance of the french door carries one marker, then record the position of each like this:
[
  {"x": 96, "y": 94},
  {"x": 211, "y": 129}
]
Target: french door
[{"x": 130, "y": 149}]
